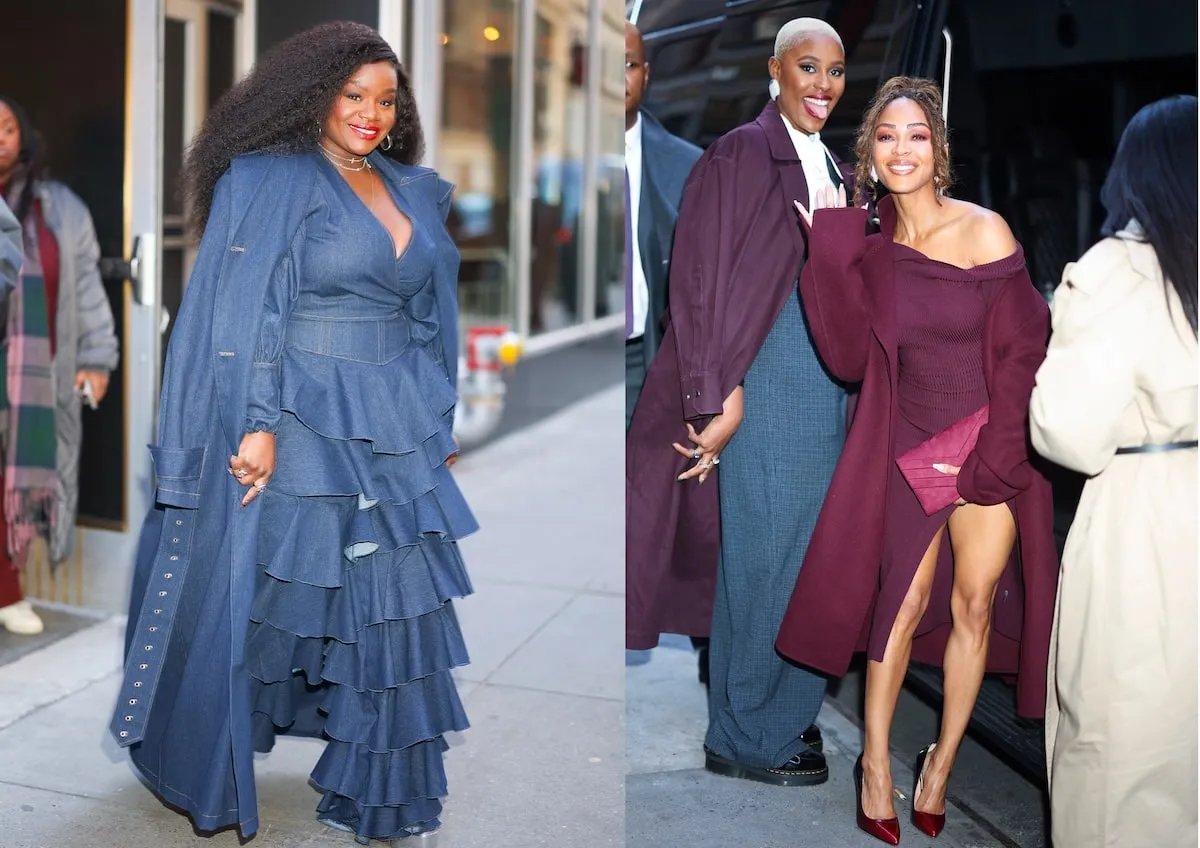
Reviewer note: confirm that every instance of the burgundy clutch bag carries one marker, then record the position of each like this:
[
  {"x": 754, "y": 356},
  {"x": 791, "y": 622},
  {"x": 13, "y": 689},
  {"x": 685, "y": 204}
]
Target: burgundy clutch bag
[{"x": 934, "y": 489}]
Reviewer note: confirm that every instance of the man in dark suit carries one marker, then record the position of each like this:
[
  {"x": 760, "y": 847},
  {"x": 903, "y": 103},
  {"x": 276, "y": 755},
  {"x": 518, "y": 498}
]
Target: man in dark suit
[{"x": 657, "y": 166}]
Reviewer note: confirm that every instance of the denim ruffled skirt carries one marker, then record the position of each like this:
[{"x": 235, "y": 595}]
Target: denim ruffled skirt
[{"x": 353, "y": 634}]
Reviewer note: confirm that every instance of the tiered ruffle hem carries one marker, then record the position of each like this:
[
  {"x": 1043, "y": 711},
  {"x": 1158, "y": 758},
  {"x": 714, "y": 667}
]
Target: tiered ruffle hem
[{"x": 353, "y": 633}]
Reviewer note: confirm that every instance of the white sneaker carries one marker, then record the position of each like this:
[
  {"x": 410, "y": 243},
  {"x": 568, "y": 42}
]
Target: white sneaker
[{"x": 20, "y": 618}]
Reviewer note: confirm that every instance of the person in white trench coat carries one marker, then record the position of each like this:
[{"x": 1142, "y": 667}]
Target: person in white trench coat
[{"x": 1116, "y": 399}]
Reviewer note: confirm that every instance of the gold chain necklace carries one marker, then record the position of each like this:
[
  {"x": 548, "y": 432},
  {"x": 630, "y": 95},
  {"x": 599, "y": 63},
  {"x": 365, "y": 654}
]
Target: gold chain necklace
[
  {"x": 351, "y": 159},
  {"x": 362, "y": 163}
]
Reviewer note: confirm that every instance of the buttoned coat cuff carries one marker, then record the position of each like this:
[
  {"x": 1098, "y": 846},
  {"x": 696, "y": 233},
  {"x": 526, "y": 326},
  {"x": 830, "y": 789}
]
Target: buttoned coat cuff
[{"x": 701, "y": 395}]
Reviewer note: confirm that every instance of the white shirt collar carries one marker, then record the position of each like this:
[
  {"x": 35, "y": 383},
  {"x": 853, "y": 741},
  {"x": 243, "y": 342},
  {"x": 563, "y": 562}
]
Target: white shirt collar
[
  {"x": 799, "y": 135},
  {"x": 633, "y": 135}
]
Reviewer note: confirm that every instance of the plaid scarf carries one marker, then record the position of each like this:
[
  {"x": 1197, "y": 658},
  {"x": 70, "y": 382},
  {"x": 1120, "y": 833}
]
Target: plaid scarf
[{"x": 27, "y": 416}]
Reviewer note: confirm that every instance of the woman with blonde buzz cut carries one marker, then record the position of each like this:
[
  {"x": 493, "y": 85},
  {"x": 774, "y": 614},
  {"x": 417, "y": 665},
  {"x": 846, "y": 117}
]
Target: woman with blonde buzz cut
[{"x": 737, "y": 386}]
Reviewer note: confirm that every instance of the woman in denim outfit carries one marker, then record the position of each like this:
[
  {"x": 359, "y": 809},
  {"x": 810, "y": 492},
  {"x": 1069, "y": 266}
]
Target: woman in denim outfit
[{"x": 303, "y": 462}]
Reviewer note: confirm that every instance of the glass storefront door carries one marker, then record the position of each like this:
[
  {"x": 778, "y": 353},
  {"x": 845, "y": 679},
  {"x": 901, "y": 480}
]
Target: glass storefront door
[
  {"x": 474, "y": 152},
  {"x": 101, "y": 131},
  {"x": 153, "y": 67}
]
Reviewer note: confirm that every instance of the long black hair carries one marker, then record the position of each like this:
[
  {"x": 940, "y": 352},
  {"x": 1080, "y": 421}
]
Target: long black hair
[
  {"x": 281, "y": 106},
  {"x": 31, "y": 159},
  {"x": 1153, "y": 181}
]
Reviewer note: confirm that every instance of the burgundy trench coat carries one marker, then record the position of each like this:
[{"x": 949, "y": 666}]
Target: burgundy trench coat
[
  {"x": 848, "y": 288},
  {"x": 738, "y": 253}
]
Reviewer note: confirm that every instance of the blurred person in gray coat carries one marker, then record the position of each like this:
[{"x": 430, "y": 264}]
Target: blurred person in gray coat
[
  {"x": 657, "y": 165},
  {"x": 64, "y": 329}
]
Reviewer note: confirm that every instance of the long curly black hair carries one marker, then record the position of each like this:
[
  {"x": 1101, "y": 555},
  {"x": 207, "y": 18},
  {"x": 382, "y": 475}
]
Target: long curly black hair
[{"x": 280, "y": 107}]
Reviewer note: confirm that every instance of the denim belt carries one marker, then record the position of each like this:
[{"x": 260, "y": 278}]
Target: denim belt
[
  {"x": 1163, "y": 448},
  {"x": 374, "y": 340}
]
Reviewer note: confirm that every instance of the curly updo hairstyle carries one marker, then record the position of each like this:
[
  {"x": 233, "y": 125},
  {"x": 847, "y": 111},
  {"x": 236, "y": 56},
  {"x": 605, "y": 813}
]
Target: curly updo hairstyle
[
  {"x": 282, "y": 105},
  {"x": 928, "y": 96}
]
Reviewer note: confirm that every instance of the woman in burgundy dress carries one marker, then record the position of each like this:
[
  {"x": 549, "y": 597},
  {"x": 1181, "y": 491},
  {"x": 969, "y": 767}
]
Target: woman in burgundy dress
[{"x": 936, "y": 316}]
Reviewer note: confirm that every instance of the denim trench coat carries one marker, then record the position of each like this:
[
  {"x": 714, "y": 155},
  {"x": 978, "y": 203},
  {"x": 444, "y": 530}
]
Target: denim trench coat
[{"x": 184, "y": 706}]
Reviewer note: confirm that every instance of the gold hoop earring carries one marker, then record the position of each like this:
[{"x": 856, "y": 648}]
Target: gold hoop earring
[{"x": 386, "y": 144}]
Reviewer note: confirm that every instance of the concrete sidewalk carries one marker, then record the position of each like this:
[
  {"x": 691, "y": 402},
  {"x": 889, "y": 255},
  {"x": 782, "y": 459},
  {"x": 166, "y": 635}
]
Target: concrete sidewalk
[
  {"x": 542, "y": 765},
  {"x": 672, "y": 802}
]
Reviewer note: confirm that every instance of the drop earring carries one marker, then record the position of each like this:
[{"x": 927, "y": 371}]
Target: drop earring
[
  {"x": 773, "y": 89},
  {"x": 874, "y": 175}
]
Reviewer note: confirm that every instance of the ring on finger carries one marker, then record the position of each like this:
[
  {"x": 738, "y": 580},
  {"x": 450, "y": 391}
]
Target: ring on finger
[
  {"x": 260, "y": 485},
  {"x": 716, "y": 460},
  {"x": 240, "y": 473},
  {"x": 695, "y": 454}
]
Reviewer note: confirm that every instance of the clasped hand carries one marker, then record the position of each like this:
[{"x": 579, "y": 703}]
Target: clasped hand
[
  {"x": 710, "y": 441},
  {"x": 254, "y": 463}
]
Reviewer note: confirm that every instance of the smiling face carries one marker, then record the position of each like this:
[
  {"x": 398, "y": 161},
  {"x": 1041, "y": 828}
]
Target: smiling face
[
  {"x": 811, "y": 77},
  {"x": 903, "y": 148},
  {"x": 363, "y": 112}
]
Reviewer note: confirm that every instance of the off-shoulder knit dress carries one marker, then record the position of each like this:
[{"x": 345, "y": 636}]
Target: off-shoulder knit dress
[
  {"x": 941, "y": 311},
  {"x": 353, "y": 635}
]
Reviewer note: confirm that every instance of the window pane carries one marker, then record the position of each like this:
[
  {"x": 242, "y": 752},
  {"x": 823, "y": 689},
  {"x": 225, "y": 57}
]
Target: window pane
[
  {"x": 281, "y": 19},
  {"x": 708, "y": 75},
  {"x": 474, "y": 151},
  {"x": 559, "y": 130}
]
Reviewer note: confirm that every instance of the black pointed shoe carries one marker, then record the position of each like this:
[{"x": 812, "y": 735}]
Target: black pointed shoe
[{"x": 807, "y": 768}]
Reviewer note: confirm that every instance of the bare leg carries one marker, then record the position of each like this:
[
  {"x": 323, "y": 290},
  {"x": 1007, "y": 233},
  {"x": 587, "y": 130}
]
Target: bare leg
[
  {"x": 884, "y": 680},
  {"x": 982, "y": 538}
]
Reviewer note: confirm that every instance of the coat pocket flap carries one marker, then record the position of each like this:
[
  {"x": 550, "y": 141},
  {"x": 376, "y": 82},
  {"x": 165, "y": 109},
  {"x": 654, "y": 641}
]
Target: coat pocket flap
[{"x": 179, "y": 471}]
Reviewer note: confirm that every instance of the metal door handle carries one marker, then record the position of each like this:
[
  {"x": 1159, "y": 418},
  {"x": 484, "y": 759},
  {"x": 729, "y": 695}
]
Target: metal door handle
[
  {"x": 141, "y": 269},
  {"x": 144, "y": 268}
]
